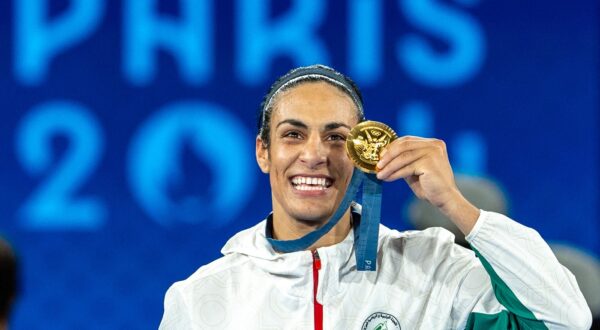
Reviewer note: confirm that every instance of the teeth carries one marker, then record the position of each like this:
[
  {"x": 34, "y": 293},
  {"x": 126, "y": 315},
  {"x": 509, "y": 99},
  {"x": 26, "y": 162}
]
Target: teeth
[
  {"x": 308, "y": 187},
  {"x": 309, "y": 183}
]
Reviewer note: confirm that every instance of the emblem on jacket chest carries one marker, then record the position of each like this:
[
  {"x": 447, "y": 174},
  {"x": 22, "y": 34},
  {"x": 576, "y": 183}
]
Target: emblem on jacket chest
[{"x": 381, "y": 321}]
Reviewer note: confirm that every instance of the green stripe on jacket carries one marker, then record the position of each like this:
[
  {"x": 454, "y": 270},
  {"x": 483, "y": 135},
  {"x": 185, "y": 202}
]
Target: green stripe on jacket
[{"x": 517, "y": 315}]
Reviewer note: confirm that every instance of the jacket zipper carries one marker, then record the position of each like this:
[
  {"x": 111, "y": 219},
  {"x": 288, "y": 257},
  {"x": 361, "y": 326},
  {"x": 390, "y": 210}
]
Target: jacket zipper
[{"x": 318, "y": 308}]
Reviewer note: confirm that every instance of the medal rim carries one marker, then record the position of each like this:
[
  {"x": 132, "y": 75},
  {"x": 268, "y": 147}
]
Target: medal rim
[{"x": 354, "y": 133}]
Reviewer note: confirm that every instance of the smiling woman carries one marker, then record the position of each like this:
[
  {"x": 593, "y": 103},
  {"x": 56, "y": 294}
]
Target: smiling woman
[
  {"x": 311, "y": 122},
  {"x": 415, "y": 280}
]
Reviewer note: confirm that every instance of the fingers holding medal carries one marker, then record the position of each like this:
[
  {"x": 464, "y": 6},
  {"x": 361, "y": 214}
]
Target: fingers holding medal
[{"x": 374, "y": 147}]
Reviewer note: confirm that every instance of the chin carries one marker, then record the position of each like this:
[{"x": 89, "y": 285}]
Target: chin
[{"x": 313, "y": 216}]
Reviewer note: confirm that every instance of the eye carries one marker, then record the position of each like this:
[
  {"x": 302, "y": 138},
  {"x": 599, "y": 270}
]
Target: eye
[
  {"x": 336, "y": 137},
  {"x": 292, "y": 135}
]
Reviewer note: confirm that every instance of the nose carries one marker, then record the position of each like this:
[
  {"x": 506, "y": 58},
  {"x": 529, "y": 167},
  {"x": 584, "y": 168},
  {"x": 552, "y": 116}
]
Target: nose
[{"x": 314, "y": 153}]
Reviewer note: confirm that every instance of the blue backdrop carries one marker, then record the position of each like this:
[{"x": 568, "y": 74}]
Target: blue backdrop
[{"x": 127, "y": 127}]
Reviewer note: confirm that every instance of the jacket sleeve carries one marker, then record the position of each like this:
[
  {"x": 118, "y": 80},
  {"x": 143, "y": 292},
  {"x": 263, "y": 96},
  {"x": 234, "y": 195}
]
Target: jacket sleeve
[
  {"x": 176, "y": 314},
  {"x": 516, "y": 283}
]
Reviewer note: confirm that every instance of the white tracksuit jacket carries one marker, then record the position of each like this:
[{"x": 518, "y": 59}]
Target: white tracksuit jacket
[{"x": 423, "y": 281}]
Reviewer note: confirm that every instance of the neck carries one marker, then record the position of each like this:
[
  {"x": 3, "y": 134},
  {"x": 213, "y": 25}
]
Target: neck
[{"x": 293, "y": 229}]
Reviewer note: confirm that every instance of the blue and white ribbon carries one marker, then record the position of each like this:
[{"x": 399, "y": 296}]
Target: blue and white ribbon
[{"x": 366, "y": 231}]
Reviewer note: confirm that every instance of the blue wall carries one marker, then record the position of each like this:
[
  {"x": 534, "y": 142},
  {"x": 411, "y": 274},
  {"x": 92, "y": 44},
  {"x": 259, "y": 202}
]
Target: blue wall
[{"x": 127, "y": 128}]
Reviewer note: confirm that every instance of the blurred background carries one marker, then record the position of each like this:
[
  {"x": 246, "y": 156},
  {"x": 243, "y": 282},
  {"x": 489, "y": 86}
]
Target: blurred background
[{"x": 127, "y": 130}]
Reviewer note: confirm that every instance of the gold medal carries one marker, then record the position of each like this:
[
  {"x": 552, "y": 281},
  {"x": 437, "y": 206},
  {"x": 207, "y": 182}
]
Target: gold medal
[{"x": 365, "y": 143}]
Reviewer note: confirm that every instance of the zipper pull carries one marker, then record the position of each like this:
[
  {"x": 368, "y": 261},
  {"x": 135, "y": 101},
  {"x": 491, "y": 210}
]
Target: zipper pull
[{"x": 316, "y": 259}]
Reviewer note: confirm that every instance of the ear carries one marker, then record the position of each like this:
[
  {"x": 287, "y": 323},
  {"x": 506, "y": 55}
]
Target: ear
[{"x": 262, "y": 156}]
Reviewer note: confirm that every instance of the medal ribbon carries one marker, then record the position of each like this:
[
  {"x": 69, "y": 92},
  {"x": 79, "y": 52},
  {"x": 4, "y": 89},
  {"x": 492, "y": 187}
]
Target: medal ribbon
[{"x": 366, "y": 231}]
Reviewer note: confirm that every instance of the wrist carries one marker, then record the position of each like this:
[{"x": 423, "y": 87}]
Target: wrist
[{"x": 461, "y": 212}]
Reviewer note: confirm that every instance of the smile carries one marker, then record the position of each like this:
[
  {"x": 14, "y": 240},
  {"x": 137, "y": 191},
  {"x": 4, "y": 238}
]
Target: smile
[{"x": 311, "y": 183}]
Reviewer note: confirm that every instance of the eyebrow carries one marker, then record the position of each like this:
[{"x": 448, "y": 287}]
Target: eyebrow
[
  {"x": 332, "y": 126},
  {"x": 298, "y": 123},
  {"x": 293, "y": 122}
]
